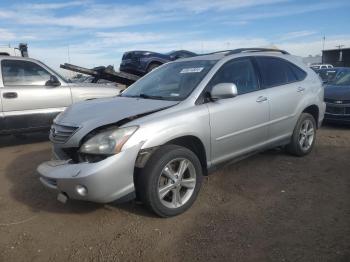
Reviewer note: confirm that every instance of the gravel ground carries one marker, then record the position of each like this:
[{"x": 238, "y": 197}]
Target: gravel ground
[{"x": 270, "y": 207}]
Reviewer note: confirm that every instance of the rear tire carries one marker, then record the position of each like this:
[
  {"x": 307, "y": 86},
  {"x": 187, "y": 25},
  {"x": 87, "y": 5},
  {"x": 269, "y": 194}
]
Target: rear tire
[
  {"x": 170, "y": 181},
  {"x": 152, "y": 66},
  {"x": 304, "y": 136}
]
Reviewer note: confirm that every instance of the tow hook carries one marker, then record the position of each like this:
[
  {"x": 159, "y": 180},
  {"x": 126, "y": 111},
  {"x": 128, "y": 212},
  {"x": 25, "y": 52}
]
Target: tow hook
[{"x": 62, "y": 197}]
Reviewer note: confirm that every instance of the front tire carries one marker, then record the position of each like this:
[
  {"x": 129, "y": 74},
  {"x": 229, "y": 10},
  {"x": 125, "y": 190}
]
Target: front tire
[
  {"x": 170, "y": 181},
  {"x": 304, "y": 136}
]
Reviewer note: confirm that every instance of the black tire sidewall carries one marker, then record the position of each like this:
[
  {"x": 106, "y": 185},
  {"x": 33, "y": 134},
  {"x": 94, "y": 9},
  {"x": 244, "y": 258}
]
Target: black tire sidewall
[
  {"x": 149, "y": 177},
  {"x": 152, "y": 66}
]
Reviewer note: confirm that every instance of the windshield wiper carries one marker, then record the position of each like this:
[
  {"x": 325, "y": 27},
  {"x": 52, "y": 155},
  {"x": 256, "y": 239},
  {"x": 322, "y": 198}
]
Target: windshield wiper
[{"x": 151, "y": 97}]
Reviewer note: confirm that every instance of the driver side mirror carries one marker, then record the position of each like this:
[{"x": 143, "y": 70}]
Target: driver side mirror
[
  {"x": 53, "y": 81},
  {"x": 223, "y": 90}
]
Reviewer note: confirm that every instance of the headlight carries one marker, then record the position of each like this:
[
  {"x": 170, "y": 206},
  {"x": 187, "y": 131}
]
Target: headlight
[{"x": 108, "y": 142}]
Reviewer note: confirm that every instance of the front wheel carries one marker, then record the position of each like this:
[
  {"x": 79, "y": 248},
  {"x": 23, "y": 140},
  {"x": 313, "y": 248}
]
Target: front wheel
[
  {"x": 304, "y": 136},
  {"x": 170, "y": 181}
]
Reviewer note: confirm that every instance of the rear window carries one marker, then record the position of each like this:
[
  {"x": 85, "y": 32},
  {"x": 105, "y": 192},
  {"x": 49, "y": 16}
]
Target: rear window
[{"x": 276, "y": 71}]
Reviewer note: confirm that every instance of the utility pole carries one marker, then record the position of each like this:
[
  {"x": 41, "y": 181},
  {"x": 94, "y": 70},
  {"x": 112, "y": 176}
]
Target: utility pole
[
  {"x": 323, "y": 42},
  {"x": 339, "y": 46},
  {"x": 340, "y": 52}
]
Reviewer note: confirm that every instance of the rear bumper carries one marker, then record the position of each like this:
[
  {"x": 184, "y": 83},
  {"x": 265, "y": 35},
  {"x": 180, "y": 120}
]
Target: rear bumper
[{"x": 106, "y": 181}]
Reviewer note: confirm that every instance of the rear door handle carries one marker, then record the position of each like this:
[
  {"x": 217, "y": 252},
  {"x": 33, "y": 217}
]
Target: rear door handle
[
  {"x": 10, "y": 95},
  {"x": 301, "y": 89},
  {"x": 261, "y": 99}
]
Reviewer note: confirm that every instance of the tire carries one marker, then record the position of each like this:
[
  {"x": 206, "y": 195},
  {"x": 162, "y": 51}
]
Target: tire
[
  {"x": 163, "y": 164},
  {"x": 152, "y": 66},
  {"x": 304, "y": 136}
]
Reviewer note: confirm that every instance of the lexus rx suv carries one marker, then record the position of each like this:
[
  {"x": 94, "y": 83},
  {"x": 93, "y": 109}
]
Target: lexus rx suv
[{"x": 157, "y": 139}]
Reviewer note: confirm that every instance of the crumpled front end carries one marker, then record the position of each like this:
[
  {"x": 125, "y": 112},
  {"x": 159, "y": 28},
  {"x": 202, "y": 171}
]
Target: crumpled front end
[{"x": 104, "y": 181}]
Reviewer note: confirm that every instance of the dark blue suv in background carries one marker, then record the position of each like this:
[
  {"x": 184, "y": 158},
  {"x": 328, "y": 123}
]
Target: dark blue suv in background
[{"x": 142, "y": 62}]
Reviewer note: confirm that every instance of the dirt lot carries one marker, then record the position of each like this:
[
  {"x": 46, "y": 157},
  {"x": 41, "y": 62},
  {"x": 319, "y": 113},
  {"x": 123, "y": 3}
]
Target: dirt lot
[{"x": 271, "y": 207}]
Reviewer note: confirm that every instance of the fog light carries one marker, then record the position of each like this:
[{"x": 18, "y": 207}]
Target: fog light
[{"x": 81, "y": 190}]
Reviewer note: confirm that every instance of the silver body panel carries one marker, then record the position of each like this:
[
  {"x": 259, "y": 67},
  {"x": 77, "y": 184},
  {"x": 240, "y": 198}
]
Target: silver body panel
[
  {"x": 227, "y": 128},
  {"x": 36, "y": 105}
]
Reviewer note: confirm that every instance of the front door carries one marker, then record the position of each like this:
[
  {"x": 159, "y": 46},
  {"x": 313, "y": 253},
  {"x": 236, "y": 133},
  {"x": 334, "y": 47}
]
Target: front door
[
  {"x": 239, "y": 124},
  {"x": 26, "y": 99}
]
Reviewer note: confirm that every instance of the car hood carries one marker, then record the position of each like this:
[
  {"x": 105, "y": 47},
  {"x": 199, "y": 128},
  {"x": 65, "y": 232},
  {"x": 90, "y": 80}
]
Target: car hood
[
  {"x": 99, "y": 112},
  {"x": 337, "y": 92},
  {"x": 91, "y": 85}
]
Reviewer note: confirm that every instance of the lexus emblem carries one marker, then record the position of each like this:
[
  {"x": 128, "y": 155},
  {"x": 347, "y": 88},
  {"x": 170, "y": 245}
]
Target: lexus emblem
[{"x": 338, "y": 102}]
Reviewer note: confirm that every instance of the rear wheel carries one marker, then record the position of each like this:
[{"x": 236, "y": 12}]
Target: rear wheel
[
  {"x": 304, "y": 136},
  {"x": 170, "y": 181},
  {"x": 152, "y": 66}
]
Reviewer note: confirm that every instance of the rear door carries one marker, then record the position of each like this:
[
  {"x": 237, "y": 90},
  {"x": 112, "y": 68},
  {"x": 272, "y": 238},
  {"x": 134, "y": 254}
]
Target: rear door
[
  {"x": 239, "y": 124},
  {"x": 285, "y": 89},
  {"x": 27, "y": 102}
]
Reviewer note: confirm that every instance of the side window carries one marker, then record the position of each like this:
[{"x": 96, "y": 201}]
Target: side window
[
  {"x": 299, "y": 73},
  {"x": 275, "y": 71},
  {"x": 239, "y": 72},
  {"x": 18, "y": 72}
]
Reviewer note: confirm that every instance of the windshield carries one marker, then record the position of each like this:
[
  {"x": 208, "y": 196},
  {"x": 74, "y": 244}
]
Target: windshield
[
  {"x": 173, "y": 81},
  {"x": 343, "y": 80},
  {"x": 327, "y": 75}
]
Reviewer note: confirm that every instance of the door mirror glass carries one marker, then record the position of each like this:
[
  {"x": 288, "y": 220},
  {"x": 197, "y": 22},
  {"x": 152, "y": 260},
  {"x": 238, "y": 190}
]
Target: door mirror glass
[
  {"x": 223, "y": 90},
  {"x": 53, "y": 81}
]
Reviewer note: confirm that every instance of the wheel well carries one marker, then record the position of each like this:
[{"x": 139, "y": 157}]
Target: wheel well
[
  {"x": 314, "y": 111},
  {"x": 195, "y": 145},
  {"x": 154, "y": 63}
]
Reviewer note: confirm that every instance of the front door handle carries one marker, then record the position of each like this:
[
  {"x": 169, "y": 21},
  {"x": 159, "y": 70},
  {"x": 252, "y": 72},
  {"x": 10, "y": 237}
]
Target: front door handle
[
  {"x": 261, "y": 99},
  {"x": 10, "y": 95},
  {"x": 300, "y": 89}
]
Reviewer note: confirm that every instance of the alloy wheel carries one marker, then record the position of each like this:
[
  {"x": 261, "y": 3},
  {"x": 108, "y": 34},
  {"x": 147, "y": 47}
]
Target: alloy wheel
[{"x": 176, "y": 182}]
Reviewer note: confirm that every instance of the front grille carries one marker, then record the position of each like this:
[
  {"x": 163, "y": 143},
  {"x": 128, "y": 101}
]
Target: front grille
[
  {"x": 60, "y": 133},
  {"x": 338, "y": 110}
]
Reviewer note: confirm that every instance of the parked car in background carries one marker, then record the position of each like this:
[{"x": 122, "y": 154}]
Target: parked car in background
[
  {"x": 179, "y": 122},
  {"x": 337, "y": 98},
  {"x": 320, "y": 66},
  {"x": 32, "y": 94},
  {"x": 142, "y": 62}
]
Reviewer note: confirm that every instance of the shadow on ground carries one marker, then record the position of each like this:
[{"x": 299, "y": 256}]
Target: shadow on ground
[
  {"x": 23, "y": 139},
  {"x": 27, "y": 189}
]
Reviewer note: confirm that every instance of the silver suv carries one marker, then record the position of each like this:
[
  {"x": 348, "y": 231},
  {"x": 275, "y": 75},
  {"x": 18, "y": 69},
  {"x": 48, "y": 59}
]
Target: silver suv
[
  {"x": 178, "y": 123},
  {"x": 32, "y": 94}
]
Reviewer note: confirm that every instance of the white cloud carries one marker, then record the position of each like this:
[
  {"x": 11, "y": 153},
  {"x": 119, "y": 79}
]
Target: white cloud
[
  {"x": 314, "y": 47},
  {"x": 199, "y": 6},
  {"x": 297, "y": 34},
  {"x": 52, "y": 6},
  {"x": 6, "y": 35},
  {"x": 289, "y": 10}
]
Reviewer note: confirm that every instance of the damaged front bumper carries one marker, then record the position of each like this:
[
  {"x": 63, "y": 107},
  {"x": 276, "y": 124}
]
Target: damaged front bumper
[{"x": 102, "y": 182}]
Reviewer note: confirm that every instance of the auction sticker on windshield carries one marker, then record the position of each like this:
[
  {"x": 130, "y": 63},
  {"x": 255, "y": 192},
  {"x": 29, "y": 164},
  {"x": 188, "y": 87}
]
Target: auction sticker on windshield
[{"x": 191, "y": 70}]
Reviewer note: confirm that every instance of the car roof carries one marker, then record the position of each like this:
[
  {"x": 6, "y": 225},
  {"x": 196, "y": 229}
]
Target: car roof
[
  {"x": 233, "y": 53},
  {"x": 6, "y": 57}
]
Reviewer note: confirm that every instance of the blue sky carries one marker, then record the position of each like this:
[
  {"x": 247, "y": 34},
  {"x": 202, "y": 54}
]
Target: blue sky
[{"x": 98, "y": 32}]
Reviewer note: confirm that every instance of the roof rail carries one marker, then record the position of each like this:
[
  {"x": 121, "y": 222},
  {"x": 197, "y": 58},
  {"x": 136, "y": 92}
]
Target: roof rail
[{"x": 258, "y": 49}]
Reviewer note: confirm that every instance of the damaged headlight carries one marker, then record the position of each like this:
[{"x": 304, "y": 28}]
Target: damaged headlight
[{"x": 108, "y": 142}]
